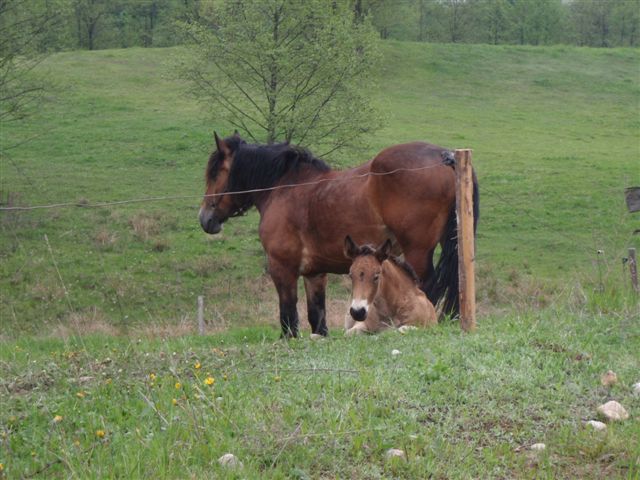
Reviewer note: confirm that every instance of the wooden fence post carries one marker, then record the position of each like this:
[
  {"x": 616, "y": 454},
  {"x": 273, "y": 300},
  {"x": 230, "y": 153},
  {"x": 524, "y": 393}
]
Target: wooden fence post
[
  {"x": 201, "y": 315},
  {"x": 633, "y": 269},
  {"x": 466, "y": 240}
]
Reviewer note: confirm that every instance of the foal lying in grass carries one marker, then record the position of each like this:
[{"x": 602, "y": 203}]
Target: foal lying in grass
[{"x": 385, "y": 292}]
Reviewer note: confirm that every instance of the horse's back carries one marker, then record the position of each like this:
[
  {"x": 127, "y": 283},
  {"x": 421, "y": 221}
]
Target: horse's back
[{"x": 413, "y": 191}]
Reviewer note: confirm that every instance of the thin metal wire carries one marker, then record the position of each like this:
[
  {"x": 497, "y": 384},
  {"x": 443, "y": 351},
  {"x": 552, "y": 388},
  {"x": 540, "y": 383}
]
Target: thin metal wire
[{"x": 241, "y": 192}]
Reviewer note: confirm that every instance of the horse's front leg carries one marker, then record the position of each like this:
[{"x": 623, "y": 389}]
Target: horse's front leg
[
  {"x": 286, "y": 282},
  {"x": 315, "y": 287}
]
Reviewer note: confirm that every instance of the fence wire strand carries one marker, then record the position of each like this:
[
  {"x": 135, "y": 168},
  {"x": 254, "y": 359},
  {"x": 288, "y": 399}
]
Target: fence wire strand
[{"x": 213, "y": 195}]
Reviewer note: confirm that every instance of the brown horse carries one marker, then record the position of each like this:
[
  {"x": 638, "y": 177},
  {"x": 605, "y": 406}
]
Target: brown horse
[
  {"x": 405, "y": 194},
  {"x": 384, "y": 291}
]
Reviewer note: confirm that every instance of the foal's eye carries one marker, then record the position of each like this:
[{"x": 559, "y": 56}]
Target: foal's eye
[{"x": 376, "y": 277}]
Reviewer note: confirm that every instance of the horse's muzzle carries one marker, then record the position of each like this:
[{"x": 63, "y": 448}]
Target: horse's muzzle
[
  {"x": 209, "y": 222},
  {"x": 358, "y": 314}
]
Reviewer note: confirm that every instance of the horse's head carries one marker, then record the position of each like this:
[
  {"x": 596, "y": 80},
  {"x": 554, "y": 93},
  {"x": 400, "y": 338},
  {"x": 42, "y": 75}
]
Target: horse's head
[
  {"x": 365, "y": 271},
  {"x": 217, "y": 207}
]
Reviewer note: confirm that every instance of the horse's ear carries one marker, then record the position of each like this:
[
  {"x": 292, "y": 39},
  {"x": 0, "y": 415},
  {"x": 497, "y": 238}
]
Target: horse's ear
[
  {"x": 383, "y": 251},
  {"x": 350, "y": 248},
  {"x": 221, "y": 145}
]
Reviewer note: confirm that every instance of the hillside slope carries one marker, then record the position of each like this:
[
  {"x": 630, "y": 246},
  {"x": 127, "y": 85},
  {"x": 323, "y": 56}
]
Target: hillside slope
[{"x": 555, "y": 136}]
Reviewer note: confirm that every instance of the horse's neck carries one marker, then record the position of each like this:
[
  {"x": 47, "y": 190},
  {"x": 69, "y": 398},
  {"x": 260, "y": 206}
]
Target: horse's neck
[
  {"x": 394, "y": 287},
  {"x": 302, "y": 176}
]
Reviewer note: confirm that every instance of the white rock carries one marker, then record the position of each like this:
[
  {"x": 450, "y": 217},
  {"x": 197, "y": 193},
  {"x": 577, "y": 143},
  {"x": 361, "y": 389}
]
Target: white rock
[
  {"x": 315, "y": 336},
  {"x": 609, "y": 379},
  {"x": 395, "y": 352},
  {"x": 229, "y": 460},
  {"x": 538, "y": 447},
  {"x": 636, "y": 388},
  {"x": 596, "y": 425},
  {"x": 613, "y": 411},
  {"x": 394, "y": 452}
]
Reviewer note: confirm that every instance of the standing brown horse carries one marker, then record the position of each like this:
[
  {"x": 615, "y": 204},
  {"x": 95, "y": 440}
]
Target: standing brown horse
[{"x": 406, "y": 194}]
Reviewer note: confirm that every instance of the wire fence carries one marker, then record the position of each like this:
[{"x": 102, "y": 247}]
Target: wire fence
[{"x": 601, "y": 262}]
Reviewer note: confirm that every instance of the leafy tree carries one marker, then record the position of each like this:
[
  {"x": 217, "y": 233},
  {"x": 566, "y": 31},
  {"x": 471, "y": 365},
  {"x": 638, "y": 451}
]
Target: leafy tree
[
  {"x": 90, "y": 15},
  {"x": 23, "y": 25},
  {"x": 285, "y": 70}
]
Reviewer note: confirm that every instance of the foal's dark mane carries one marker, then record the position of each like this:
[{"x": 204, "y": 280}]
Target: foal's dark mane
[
  {"x": 262, "y": 166},
  {"x": 404, "y": 266}
]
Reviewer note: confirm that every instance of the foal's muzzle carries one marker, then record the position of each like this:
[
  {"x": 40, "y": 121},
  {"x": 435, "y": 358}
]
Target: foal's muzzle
[
  {"x": 209, "y": 222},
  {"x": 358, "y": 314}
]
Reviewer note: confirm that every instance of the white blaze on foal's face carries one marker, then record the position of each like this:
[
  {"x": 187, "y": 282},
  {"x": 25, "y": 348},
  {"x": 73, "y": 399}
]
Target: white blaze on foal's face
[{"x": 364, "y": 274}]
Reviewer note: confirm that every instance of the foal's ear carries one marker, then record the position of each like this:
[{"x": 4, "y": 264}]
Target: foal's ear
[
  {"x": 383, "y": 251},
  {"x": 350, "y": 248}
]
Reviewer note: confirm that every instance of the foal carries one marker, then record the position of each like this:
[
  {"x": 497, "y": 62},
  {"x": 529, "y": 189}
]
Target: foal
[{"x": 385, "y": 291}]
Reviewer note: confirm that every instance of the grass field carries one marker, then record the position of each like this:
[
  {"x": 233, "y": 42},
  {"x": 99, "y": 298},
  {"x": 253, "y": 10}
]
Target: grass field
[
  {"x": 555, "y": 139},
  {"x": 89, "y": 312}
]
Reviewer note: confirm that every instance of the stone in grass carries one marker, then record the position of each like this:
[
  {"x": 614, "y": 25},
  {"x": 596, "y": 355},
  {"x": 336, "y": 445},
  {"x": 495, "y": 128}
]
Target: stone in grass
[
  {"x": 538, "y": 447},
  {"x": 395, "y": 453},
  {"x": 636, "y": 388},
  {"x": 596, "y": 425},
  {"x": 229, "y": 460},
  {"x": 316, "y": 336},
  {"x": 609, "y": 379},
  {"x": 613, "y": 411},
  {"x": 395, "y": 352}
]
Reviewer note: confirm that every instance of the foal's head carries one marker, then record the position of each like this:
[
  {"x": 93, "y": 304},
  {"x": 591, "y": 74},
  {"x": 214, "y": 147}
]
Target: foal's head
[
  {"x": 216, "y": 207},
  {"x": 365, "y": 271}
]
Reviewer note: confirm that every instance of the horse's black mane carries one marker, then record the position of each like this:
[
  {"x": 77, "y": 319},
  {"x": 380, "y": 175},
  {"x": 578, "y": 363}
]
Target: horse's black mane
[
  {"x": 408, "y": 269},
  {"x": 262, "y": 166}
]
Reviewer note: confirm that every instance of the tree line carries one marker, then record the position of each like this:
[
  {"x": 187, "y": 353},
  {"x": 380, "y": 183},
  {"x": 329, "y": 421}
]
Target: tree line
[{"x": 99, "y": 24}]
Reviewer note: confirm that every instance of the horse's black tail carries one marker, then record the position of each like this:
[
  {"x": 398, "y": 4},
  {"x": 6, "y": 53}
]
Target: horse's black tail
[{"x": 442, "y": 287}]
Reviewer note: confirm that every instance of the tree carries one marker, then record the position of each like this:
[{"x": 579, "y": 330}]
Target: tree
[
  {"x": 23, "y": 24},
  {"x": 89, "y": 17},
  {"x": 285, "y": 70}
]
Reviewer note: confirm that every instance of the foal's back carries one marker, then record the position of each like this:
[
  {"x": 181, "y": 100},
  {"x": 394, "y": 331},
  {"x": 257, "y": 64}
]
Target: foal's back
[{"x": 399, "y": 299}]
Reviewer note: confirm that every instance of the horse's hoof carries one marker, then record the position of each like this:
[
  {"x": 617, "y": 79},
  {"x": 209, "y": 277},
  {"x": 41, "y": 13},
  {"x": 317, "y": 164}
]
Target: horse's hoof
[{"x": 406, "y": 328}]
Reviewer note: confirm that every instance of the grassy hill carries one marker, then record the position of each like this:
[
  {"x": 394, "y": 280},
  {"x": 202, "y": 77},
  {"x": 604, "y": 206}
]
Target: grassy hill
[{"x": 555, "y": 138}]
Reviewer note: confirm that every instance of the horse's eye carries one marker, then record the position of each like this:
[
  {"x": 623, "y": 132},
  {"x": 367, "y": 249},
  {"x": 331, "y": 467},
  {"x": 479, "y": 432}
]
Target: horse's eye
[{"x": 376, "y": 277}]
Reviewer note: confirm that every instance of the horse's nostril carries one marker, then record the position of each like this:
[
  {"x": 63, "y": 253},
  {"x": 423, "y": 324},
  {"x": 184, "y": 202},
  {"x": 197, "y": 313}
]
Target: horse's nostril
[{"x": 358, "y": 314}]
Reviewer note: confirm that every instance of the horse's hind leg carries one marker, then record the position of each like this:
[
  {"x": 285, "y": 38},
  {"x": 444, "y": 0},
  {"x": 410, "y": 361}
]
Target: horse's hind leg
[{"x": 315, "y": 287}]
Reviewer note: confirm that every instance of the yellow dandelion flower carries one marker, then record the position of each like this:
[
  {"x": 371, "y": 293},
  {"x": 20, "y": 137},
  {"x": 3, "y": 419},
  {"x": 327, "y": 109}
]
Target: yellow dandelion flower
[
  {"x": 178, "y": 385},
  {"x": 174, "y": 402},
  {"x": 209, "y": 381},
  {"x": 80, "y": 394},
  {"x": 276, "y": 378},
  {"x": 1, "y": 467},
  {"x": 152, "y": 376},
  {"x": 198, "y": 365},
  {"x": 57, "y": 418},
  {"x": 100, "y": 433}
]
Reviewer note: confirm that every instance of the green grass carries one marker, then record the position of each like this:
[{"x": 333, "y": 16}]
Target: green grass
[
  {"x": 460, "y": 406},
  {"x": 555, "y": 138}
]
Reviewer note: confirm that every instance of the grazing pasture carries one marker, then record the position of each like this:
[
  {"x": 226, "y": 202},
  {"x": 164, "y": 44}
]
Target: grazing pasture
[{"x": 555, "y": 136}]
